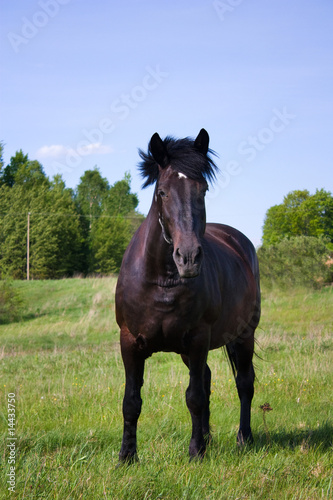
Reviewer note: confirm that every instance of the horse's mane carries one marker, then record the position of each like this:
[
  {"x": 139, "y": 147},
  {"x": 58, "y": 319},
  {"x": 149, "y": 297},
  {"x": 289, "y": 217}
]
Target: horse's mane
[{"x": 183, "y": 157}]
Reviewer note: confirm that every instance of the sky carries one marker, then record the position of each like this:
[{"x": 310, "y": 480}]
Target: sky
[{"x": 87, "y": 83}]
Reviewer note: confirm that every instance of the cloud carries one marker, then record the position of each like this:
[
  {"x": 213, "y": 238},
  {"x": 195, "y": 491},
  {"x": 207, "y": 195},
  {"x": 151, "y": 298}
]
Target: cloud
[
  {"x": 57, "y": 151},
  {"x": 54, "y": 151}
]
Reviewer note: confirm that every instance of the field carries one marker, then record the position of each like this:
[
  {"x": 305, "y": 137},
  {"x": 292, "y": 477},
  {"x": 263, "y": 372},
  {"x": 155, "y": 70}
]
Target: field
[{"x": 62, "y": 362}]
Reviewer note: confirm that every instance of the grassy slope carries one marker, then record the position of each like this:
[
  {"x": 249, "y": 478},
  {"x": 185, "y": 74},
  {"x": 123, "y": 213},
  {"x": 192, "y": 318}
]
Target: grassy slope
[{"x": 63, "y": 362}]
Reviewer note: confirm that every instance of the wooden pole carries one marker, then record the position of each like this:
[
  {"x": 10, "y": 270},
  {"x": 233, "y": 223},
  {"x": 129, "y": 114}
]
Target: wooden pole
[{"x": 28, "y": 248}]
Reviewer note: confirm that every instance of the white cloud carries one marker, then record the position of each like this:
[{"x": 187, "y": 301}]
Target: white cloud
[
  {"x": 54, "y": 151},
  {"x": 96, "y": 148},
  {"x": 57, "y": 151}
]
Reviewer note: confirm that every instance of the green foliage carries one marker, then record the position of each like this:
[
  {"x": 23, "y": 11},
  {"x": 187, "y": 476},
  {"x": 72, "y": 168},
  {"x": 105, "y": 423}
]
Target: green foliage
[
  {"x": 109, "y": 239},
  {"x": 22, "y": 171},
  {"x": 300, "y": 214},
  {"x": 109, "y": 220},
  {"x": 54, "y": 241},
  {"x": 11, "y": 302},
  {"x": 120, "y": 200},
  {"x": 90, "y": 192},
  {"x": 31, "y": 175},
  {"x": 1, "y": 159},
  {"x": 55, "y": 235},
  {"x": 298, "y": 260},
  {"x": 7, "y": 176},
  {"x": 112, "y": 232},
  {"x": 82, "y": 232}
]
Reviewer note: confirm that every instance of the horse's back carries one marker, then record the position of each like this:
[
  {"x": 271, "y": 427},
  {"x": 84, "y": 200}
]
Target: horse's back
[
  {"x": 233, "y": 259},
  {"x": 228, "y": 237}
]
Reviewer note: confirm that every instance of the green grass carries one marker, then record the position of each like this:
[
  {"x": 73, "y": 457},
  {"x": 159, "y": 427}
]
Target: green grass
[{"x": 62, "y": 361}]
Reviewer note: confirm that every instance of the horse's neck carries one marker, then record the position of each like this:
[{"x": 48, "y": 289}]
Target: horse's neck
[{"x": 159, "y": 263}]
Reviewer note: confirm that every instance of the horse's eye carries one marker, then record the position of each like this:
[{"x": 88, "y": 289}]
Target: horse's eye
[{"x": 162, "y": 193}]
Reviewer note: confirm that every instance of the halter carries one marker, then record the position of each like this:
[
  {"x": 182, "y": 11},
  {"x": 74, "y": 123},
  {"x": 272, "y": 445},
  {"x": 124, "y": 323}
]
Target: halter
[{"x": 168, "y": 239}]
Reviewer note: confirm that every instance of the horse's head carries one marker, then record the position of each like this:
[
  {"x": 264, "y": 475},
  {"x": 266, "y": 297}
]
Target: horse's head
[
  {"x": 182, "y": 215},
  {"x": 180, "y": 170}
]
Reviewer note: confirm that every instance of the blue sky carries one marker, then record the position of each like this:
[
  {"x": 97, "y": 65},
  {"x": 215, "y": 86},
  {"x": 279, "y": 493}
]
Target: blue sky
[{"x": 87, "y": 83}]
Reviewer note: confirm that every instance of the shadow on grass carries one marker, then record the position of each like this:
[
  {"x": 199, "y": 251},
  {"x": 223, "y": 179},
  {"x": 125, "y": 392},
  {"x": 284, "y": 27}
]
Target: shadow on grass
[{"x": 319, "y": 437}]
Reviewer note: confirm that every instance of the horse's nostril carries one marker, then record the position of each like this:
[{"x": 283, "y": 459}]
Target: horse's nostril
[
  {"x": 199, "y": 253},
  {"x": 188, "y": 260},
  {"x": 178, "y": 257}
]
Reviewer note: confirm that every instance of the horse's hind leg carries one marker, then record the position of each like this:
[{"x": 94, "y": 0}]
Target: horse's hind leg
[{"x": 241, "y": 354}]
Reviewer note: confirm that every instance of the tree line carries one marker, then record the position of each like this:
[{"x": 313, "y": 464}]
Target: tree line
[
  {"x": 79, "y": 231},
  {"x": 297, "y": 239}
]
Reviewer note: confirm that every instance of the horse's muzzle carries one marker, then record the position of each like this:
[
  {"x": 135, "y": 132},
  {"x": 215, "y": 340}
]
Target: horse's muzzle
[{"x": 188, "y": 261}]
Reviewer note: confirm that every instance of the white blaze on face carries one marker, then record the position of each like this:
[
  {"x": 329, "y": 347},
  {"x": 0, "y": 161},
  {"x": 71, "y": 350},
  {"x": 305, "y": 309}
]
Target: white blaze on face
[{"x": 181, "y": 176}]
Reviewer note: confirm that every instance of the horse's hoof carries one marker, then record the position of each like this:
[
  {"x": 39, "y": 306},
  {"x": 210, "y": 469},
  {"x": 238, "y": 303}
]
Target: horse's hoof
[
  {"x": 197, "y": 458},
  {"x": 127, "y": 460},
  {"x": 243, "y": 440}
]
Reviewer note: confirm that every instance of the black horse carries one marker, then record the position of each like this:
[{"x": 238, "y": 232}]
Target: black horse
[{"x": 187, "y": 287}]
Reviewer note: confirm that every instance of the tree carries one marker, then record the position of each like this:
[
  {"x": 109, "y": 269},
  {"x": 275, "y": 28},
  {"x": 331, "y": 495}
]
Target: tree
[
  {"x": 12, "y": 234},
  {"x": 7, "y": 176},
  {"x": 1, "y": 159},
  {"x": 300, "y": 214},
  {"x": 11, "y": 303},
  {"x": 113, "y": 230},
  {"x": 111, "y": 235},
  {"x": 297, "y": 260},
  {"x": 90, "y": 193},
  {"x": 120, "y": 200},
  {"x": 31, "y": 174},
  {"x": 56, "y": 237},
  {"x": 55, "y": 233}
]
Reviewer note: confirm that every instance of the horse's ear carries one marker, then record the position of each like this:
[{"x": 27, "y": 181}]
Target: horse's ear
[
  {"x": 158, "y": 150},
  {"x": 202, "y": 142}
]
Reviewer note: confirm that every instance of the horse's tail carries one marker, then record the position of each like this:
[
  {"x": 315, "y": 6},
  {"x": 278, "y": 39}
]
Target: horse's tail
[{"x": 232, "y": 358}]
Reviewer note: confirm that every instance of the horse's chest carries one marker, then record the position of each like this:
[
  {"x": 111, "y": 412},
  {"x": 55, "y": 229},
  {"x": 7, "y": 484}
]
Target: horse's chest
[
  {"x": 164, "y": 302},
  {"x": 171, "y": 308},
  {"x": 163, "y": 316}
]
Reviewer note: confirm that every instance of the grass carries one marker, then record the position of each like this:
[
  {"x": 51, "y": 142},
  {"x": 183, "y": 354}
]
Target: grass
[{"x": 63, "y": 363}]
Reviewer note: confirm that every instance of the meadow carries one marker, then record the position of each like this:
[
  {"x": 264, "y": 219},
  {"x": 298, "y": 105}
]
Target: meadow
[{"x": 62, "y": 361}]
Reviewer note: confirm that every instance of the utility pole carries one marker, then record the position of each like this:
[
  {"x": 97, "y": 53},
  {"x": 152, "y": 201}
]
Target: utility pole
[{"x": 28, "y": 247}]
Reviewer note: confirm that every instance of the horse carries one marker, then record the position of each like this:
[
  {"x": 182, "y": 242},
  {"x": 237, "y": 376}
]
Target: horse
[{"x": 188, "y": 287}]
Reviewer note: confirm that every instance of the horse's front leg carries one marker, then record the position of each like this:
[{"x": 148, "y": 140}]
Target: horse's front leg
[
  {"x": 206, "y": 412},
  {"x": 134, "y": 367},
  {"x": 196, "y": 398}
]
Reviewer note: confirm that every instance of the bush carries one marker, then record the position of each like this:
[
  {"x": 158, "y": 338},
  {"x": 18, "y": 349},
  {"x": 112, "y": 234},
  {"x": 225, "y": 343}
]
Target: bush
[
  {"x": 299, "y": 260},
  {"x": 11, "y": 303}
]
